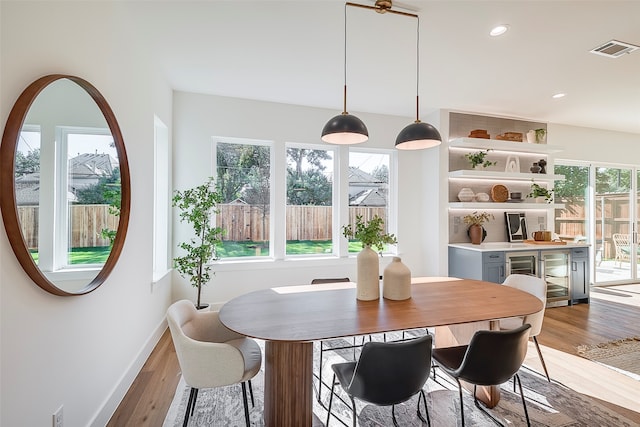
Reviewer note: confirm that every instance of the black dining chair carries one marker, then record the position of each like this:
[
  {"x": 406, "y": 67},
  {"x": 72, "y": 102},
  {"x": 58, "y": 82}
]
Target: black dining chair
[
  {"x": 333, "y": 344},
  {"x": 386, "y": 374},
  {"x": 491, "y": 358}
]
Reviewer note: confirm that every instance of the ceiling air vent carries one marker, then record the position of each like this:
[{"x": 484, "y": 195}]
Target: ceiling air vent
[{"x": 614, "y": 49}]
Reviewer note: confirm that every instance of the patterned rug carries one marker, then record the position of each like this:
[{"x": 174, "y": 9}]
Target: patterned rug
[
  {"x": 621, "y": 355},
  {"x": 549, "y": 404}
]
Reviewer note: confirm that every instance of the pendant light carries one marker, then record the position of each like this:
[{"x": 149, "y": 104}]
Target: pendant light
[
  {"x": 345, "y": 128},
  {"x": 418, "y": 135}
]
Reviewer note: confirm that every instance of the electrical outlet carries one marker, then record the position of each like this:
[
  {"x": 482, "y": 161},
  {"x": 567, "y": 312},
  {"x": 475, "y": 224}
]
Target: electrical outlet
[{"x": 57, "y": 418}]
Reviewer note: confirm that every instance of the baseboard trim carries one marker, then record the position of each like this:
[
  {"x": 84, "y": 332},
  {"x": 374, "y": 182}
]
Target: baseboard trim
[{"x": 108, "y": 408}]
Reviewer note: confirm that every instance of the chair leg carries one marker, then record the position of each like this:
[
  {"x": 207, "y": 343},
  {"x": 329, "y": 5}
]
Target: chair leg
[
  {"x": 333, "y": 384},
  {"x": 193, "y": 403},
  {"x": 524, "y": 403},
  {"x": 186, "y": 413},
  {"x": 544, "y": 366},
  {"x": 461, "y": 402},
  {"x": 246, "y": 405},
  {"x": 426, "y": 408},
  {"x": 320, "y": 374},
  {"x": 353, "y": 407},
  {"x": 253, "y": 402},
  {"x": 393, "y": 415}
]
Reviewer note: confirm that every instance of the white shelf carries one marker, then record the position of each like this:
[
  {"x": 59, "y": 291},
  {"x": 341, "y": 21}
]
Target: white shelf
[
  {"x": 498, "y": 175},
  {"x": 496, "y": 144},
  {"x": 503, "y": 206}
]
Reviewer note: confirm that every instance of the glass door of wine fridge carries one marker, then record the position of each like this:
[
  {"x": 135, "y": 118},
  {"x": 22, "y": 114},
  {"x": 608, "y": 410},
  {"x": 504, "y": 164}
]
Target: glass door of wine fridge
[{"x": 554, "y": 269}]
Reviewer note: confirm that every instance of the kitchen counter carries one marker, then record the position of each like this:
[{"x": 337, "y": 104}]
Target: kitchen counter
[{"x": 506, "y": 246}]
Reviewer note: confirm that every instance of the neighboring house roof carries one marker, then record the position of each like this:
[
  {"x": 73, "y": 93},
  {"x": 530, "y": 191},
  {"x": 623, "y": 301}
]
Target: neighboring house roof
[
  {"x": 371, "y": 197},
  {"x": 358, "y": 177},
  {"x": 88, "y": 165},
  {"x": 85, "y": 170}
]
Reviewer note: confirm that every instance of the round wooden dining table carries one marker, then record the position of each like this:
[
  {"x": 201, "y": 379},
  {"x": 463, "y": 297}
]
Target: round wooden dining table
[{"x": 290, "y": 318}]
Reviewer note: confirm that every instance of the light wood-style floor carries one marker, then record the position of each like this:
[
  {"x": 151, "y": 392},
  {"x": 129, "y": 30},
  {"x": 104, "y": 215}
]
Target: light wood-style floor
[{"x": 613, "y": 313}]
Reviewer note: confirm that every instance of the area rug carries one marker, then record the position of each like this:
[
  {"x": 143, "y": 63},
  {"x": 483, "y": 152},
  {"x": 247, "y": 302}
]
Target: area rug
[
  {"x": 549, "y": 404},
  {"x": 622, "y": 355}
]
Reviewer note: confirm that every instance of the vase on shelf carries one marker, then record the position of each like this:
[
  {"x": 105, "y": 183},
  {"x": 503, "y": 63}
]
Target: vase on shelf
[
  {"x": 368, "y": 279},
  {"x": 476, "y": 233},
  {"x": 531, "y": 137},
  {"x": 396, "y": 281},
  {"x": 535, "y": 168},
  {"x": 466, "y": 195}
]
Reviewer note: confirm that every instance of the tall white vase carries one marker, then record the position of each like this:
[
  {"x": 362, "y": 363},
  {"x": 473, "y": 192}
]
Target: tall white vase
[
  {"x": 396, "y": 280},
  {"x": 368, "y": 280}
]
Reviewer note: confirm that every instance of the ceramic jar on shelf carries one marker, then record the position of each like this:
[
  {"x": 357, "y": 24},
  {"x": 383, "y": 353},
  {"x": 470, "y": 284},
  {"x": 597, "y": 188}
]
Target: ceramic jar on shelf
[
  {"x": 368, "y": 279},
  {"x": 466, "y": 195}
]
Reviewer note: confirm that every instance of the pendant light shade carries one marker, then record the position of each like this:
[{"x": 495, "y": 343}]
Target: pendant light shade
[
  {"x": 345, "y": 129},
  {"x": 418, "y": 135}
]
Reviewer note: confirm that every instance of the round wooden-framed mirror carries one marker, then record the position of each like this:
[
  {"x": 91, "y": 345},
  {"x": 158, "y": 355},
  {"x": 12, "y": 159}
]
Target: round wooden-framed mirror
[{"x": 61, "y": 146}]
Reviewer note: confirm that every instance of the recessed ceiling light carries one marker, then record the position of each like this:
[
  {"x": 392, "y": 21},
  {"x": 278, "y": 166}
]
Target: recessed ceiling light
[
  {"x": 499, "y": 30},
  {"x": 559, "y": 95}
]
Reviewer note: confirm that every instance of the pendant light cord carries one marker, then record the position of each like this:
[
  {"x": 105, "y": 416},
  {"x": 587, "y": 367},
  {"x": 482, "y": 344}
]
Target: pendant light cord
[
  {"x": 344, "y": 95},
  {"x": 418, "y": 70}
]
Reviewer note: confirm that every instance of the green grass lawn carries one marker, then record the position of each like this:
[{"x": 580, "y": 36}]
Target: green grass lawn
[
  {"x": 294, "y": 247},
  {"x": 79, "y": 256}
]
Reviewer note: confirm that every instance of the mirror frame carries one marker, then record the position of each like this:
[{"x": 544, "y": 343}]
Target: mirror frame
[{"x": 8, "y": 203}]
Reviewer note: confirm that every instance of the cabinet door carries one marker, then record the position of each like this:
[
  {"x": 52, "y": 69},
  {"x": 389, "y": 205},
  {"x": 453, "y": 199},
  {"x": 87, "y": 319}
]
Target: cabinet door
[
  {"x": 493, "y": 267},
  {"x": 579, "y": 276}
]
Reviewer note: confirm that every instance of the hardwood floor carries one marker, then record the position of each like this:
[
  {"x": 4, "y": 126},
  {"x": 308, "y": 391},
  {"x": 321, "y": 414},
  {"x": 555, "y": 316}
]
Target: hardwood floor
[{"x": 613, "y": 313}]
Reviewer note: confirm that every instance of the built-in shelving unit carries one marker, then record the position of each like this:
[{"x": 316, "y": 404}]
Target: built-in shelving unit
[{"x": 511, "y": 166}]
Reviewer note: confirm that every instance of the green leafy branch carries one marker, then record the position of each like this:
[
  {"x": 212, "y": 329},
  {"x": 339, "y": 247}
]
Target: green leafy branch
[{"x": 369, "y": 233}]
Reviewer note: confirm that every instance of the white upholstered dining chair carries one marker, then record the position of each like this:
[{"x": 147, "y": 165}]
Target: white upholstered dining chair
[
  {"x": 538, "y": 288},
  {"x": 209, "y": 354}
]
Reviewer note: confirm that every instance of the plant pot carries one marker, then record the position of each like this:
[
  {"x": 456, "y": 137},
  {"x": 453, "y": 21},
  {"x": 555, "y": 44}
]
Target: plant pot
[
  {"x": 396, "y": 281},
  {"x": 477, "y": 234},
  {"x": 368, "y": 280}
]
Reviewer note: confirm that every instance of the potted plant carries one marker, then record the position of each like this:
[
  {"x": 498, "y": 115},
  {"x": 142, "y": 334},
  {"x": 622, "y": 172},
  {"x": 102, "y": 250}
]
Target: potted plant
[
  {"x": 479, "y": 158},
  {"x": 540, "y": 134},
  {"x": 197, "y": 205},
  {"x": 475, "y": 221},
  {"x": 540, "y": 193},
  {"x": 370, "y": 234}
]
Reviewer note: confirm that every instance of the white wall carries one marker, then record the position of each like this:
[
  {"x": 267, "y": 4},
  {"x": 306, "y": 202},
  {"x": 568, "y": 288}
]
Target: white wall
[
  {"x": 596, "y": 145},
  {"x": 199, "y": 117},
  {"x": 82, "y": 352}
]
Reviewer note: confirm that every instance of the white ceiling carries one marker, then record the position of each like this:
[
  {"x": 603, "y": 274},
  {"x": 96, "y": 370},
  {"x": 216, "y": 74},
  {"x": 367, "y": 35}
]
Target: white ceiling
[{"x": 292, "y": 52}]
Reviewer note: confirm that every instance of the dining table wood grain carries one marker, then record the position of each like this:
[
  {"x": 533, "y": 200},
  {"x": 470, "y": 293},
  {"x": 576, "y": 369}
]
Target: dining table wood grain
[{"x": 290, "y": 318}]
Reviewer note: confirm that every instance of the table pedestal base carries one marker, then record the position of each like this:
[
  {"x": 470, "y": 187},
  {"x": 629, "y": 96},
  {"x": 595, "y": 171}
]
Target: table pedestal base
[{"x": 288, "y": 383}]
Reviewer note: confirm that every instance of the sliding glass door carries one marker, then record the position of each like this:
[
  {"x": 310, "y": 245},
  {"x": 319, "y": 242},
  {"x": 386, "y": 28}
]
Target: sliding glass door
[{"x": 601, "y": 207}]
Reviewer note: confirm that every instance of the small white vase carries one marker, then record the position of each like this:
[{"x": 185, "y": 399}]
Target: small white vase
[
  {"x": 368, "y": 280},
  {"x": 531, "y": 137},
  {"x": 466, "y": 195},
  {"x": 396, "y": 281}
]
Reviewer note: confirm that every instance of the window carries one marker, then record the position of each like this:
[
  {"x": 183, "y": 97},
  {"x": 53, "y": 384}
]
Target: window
[
  {"x": 309, "y": 210},
  {"x": 161, "y": 200},
  {"x": 243, "y": 176},
  {"x": 318, "y": 189},
  {"x": 70, "y": 221},
  {"x": 369, "y": 194}
]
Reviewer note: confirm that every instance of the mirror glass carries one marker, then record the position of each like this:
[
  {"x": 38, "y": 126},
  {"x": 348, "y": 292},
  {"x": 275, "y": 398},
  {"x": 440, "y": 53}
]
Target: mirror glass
[{"x": 70, "y": 185}]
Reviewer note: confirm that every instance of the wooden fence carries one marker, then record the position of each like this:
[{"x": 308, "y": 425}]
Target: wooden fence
[
  {"x": 612, "y": 216},
  {"x": 250, "y": 222},
  {"x": 87, "y": 221}
]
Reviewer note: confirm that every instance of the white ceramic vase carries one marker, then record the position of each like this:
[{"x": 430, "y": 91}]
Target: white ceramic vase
[
  {"x": 466, "y": 195},
  {"x": 396, "y": 281},
  {"x": 368, "y": 280}
]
